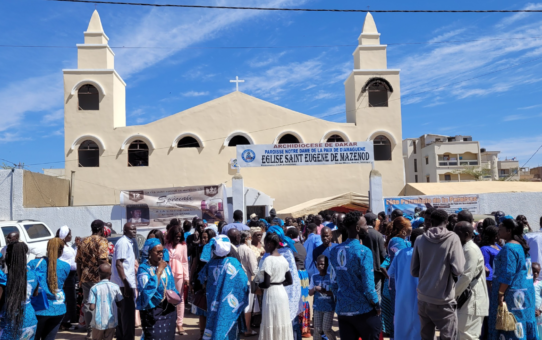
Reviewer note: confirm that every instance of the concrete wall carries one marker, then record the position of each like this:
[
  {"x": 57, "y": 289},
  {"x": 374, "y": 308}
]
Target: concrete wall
[
  {"x": 44, "y": 191},
  {"x": 79, "y": 218},
  {"x": 514, "y": 203}
]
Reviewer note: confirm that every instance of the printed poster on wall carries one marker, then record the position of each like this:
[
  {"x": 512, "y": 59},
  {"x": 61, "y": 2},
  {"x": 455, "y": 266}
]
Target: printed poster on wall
[
  {"x": 304, "y": 154},
  {"x": 154, "y": 208},
  {"x": 452, "y": 204}
]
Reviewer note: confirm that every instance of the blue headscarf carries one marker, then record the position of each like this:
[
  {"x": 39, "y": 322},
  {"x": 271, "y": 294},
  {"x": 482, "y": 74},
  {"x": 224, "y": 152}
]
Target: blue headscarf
[
  {"x": 149, "y": 245},
  {"x": 265, "y": 221},
  {"x": 418, "y": 222},
  {"x": 285, "y": 239},
  {"x": 507, "y": 217}
]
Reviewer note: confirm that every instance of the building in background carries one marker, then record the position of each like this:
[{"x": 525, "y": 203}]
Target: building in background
[
  {"x": 439, "y": 158},
  {"x": 196, "y": 146}
]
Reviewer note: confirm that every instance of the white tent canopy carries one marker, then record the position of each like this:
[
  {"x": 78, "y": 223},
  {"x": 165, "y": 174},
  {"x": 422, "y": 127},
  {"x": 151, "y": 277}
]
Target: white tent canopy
[{"x": 349, "y": 200}]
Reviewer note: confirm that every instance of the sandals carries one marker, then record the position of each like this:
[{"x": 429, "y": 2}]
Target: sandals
[
  {"x": 253, "y": 333},
  {"x": 183, "y": 332}
]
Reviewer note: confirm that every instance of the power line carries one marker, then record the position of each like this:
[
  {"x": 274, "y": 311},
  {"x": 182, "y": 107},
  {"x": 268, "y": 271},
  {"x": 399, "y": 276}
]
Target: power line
[
  {"x": 320, "y": 116},
  {"x": 275, "y": 47},
  {"x": 303, "y": 9},
  {"x": 331, "y": 114}
]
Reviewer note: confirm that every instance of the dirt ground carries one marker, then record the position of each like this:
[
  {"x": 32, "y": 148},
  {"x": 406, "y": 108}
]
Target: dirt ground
[{"x": 190, "y": 326}]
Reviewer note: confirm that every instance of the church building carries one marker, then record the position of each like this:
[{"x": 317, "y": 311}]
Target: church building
[{"x": 196, "y": 146}]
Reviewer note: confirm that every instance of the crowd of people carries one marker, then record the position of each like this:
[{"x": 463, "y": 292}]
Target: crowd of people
[{"x": 395, "y": 276}]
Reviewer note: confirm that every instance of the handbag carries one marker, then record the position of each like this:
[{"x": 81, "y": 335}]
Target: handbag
[
  {"x": 255, "y": 320},
  {"x": 506, "y": 321},
  {"x": 200, "y": 299},
  {"x": 254, "y": 287},
  {"x": 172, "y": 297},
  {"x": 467, "y": 293}
]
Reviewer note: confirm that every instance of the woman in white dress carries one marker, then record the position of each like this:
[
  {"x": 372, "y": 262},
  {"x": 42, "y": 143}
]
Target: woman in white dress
[{"x": 275, "y": 274}]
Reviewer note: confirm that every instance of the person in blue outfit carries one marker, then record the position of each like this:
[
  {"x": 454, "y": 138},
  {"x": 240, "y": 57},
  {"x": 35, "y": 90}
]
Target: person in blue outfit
[
  {"x": 18, "y": 316},
  {"x": 104, "y": 300},
  {"x": 358, "y": 309},
  {"x": 51, "y": 273},
  {"x": 324, "y": 303},
  {"x": 226, "y": 290},
  {"x": 406, "y": 299},
  {"x": 513, "y": 284},
  {"x": 154, "y": 278},
  {"x": 287, "y": 250},
  {"x": 396, "y": 241},
  {"x": 313, "y": 241}
]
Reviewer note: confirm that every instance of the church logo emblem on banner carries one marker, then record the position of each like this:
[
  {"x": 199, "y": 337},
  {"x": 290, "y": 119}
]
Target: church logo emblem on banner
[
  {"x": 248, "y": 156},
  {"x": 211, "y": 190},
  {"x": 136, "y": 196}
]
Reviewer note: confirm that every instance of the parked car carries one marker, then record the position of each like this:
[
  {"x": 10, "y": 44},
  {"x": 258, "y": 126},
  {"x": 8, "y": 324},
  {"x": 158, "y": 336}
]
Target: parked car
[{"x": 35, "y": 234}]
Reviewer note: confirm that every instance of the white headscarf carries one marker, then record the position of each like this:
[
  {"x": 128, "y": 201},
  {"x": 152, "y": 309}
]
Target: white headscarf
[
  {"x": 64, "y": 231},
  {"x": 212, "y": 227},
  {"x": 222, "y": 245}
]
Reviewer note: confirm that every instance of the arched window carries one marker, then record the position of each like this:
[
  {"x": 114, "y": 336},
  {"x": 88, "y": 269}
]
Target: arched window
[
  {"x": 335, "y": 139},
  {"x": 238, "y": 140},
  {"x": 89, "y": 98},
  {"x": 188, "y": 142},
  {"x": 89, "y": 154},
  {"x": 378, "y": 94},
  {"x": 138, "y": 154},
  {"x": 288, "y": 139},
  {"x": 382, "y": 148}
]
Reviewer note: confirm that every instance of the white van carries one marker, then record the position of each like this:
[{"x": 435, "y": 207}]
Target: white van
[{"x": 34, "y": 233}]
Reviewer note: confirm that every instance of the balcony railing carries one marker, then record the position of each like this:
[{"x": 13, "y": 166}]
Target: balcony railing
[{"x": 456, "y": 163}]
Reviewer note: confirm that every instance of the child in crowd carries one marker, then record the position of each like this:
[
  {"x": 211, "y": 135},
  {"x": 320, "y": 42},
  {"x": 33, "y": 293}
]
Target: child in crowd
[
  {"x": 103, "y": 299},
  {"x": 324, "y": 303},
  {"x": 538, "y": 296}
]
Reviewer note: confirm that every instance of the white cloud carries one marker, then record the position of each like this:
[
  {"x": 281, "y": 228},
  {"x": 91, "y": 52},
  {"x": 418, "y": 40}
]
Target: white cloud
[
  {"x": 522, "y": 148},
  {"x": 278, "y": 79},
  {"x": 29, "y": 95},
  {"x": 265, "y": 60},
  {"x": 447, "y": 35},
  {"x": 454, "y": 70},
  {"x": 195, "y": 94},
  {"x": 8, "y": 137},
  {"x": 180, "y": 29},
  {"x": 511, "y": 118},
  {"x": 325, "y": 95},
  {"x": 529, "y": 107},
  {"x": 333, "y": 111},
  {"x": 53, "y": 117}
]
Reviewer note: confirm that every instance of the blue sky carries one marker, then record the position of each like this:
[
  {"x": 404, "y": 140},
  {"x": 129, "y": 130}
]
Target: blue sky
[{"x": 490, "y": 88}]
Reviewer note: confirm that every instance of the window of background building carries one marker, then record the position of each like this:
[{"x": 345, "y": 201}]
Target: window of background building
[
  {"x": 416, "y": 178},
  {"x": 89, "y": 154},
  {"x": 288, "y": 139},
  {"x": 138, "y": 154},
  {"x": 415, "y": 165},
  {"x": 378, "y": 94},
  {"x": 188, "y": 142},
  {"x": 414, "y": 146},
  {"x": 89, "y": 98},
  {"x": 382, "y": 148},
  {"x": 447, "y": 177},
  {"x": 426, "y": 160},
  {"x": 427, "y": 178},
  {"x": 335, "y": 139},
  {"x": 238, "y": 140}
]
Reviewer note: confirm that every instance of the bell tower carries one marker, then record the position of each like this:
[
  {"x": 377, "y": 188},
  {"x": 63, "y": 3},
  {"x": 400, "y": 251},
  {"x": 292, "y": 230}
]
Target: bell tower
[
  {"x": 373, "y": 94},
  {"x": 94, "y": 93}
]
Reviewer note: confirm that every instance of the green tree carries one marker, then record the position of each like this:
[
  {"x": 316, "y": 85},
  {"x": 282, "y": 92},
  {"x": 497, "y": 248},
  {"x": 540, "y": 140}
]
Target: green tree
[{"x": 475, "y": 172}]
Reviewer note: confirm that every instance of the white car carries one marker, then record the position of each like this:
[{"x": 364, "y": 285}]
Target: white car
[{"x": 34, "y": 233}]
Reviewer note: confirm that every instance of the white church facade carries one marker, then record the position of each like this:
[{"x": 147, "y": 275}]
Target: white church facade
[{"x": 196, "y": 146}]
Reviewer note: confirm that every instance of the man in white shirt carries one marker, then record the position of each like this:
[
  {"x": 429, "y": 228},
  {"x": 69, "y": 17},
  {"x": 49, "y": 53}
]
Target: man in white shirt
[
  {"x": 471, "y": 315},
  {"x": 125, "y": 276}
]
